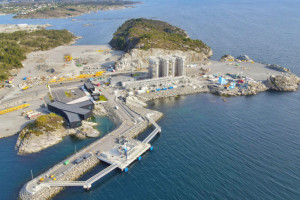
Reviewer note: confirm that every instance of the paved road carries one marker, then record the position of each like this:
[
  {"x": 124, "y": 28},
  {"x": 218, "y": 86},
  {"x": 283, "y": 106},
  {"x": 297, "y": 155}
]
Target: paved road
[{"x": 103, "y": 144}]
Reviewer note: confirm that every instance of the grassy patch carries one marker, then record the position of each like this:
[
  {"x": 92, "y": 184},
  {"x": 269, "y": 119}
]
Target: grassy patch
[
  {"x": 102, "y": 98},
  {"x": 50, "y": 97},
  {"x": 68, "y": 94},
  {"x": 44, "y": 123}
]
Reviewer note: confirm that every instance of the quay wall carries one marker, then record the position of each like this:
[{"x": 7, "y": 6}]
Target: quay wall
[
  {"x": 71, "y": 175},
  {"x": 87, "y": 165}
]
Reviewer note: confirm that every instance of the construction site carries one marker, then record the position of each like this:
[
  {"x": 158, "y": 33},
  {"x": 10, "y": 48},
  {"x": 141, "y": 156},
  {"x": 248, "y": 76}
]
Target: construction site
[{"x": 71, "y": 81}]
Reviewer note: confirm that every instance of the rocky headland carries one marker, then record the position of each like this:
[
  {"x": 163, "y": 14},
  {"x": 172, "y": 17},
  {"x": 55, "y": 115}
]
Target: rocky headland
[{"x": 144, "y": 38}]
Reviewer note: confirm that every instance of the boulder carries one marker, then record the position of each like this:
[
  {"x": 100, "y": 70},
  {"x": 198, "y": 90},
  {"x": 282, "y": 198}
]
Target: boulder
[
  {"x": 227, "y": 58},
  {"x": 278, "y": 68},
  {"x": 243, "y": 58},
  {"x": 287, "y": 83}
]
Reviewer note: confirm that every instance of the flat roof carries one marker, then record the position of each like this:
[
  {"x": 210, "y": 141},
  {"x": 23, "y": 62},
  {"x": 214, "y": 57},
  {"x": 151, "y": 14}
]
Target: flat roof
[
  {"x": 83, "y": 103},
  {"x": 89, "y": 85},
  {"x": 69, "y": 108}
]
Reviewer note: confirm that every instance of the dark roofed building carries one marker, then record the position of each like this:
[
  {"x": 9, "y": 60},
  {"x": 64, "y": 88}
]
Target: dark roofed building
[
  {"x": 85, "y": 104},
  {"x": 89, "y": 87},
  {"x": 72, "y": 113},
  {"x": 83, "y": 113},
  {"x": 73, "y": 120}
]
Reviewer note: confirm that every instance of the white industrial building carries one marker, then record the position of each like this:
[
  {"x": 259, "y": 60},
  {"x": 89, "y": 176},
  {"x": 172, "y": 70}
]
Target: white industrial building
[{"x": 166, "y": 67}]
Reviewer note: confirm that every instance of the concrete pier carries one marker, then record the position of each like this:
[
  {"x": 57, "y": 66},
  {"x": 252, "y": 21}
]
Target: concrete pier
[{"x": 118, "y": 149}]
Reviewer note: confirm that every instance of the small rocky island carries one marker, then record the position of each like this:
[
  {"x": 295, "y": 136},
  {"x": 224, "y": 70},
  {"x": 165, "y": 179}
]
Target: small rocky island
[{"x": 48, "y": 130}]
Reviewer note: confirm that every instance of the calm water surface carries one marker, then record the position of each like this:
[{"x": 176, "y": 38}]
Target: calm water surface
[{"x": 245, "y": 148}]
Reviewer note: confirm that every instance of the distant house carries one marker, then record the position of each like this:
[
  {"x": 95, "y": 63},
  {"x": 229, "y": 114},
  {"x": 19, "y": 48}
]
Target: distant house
[{"x": 73, "y": 113}]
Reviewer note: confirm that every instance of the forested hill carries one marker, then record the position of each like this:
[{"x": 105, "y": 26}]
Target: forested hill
[{"x": 146, "y": 33}]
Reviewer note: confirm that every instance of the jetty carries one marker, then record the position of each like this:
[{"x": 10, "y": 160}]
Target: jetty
[{"x": 118, "y": 149}]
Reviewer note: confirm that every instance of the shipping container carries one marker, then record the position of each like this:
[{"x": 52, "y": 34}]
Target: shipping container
[
  {"x": 171, "y": 87},
  {"x": 79, "y": 160},
  {"x": 158, "y": 89},
  {"x": 164, "y": 88},
  {"x": 87, "y": 155}
]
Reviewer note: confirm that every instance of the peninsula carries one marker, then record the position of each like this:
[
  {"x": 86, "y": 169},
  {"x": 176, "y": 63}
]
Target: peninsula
[{"x": 60, "y": 9}]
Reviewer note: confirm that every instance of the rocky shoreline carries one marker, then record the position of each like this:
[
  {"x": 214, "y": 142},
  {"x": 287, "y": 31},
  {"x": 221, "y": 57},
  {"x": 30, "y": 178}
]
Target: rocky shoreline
[
  {"x": 275, "y": 83},
  {"x": 87, "y": 165},
  {"x": 73, "y": 174},
  {"x": 35, "y": 143},
  {"x": 203, "y": 79}
]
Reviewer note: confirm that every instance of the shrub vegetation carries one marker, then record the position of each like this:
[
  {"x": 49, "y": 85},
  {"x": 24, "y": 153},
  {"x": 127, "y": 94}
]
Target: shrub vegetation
[
  {"x": 14, "y": 46},
  {"x": 146, "y": 33}
]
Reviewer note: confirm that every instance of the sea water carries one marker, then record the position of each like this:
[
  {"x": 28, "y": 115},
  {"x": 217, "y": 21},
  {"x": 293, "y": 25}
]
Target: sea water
[{"x": 245, "y": 148}]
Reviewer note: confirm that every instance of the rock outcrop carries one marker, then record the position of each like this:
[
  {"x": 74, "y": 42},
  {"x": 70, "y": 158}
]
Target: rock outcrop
[
  {"x": 244, "y": 58},
  {"x": 286, "y": 83},
  {"x": 227, "y": 58},
  {"x": 278, "y": 68},
  {"x": 47, "y": 131},
  {"x": 100, "y": 110},
  {"x": 144, "y": 38},
  {"x": 251, "y": 88},
  {"x": 137, "y": 58}
]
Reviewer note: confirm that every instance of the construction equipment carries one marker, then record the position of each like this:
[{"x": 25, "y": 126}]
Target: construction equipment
[
  {"x": 61, "y": 79},
  {"x": 52, "y": 81},
  {"x": 97, "y": 74},
  {"x": 14, "y": 108},
  {"x": 68, "y": 58},
  {"x": 25, "y": 88}
]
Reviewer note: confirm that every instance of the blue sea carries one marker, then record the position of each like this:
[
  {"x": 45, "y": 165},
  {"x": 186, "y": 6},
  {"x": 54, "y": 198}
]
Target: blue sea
[{"x": 244, "y": 148}]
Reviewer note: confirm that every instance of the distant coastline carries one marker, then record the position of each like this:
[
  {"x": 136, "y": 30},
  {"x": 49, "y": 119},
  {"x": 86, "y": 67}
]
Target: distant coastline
[{"x": 60, "y": 10}]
